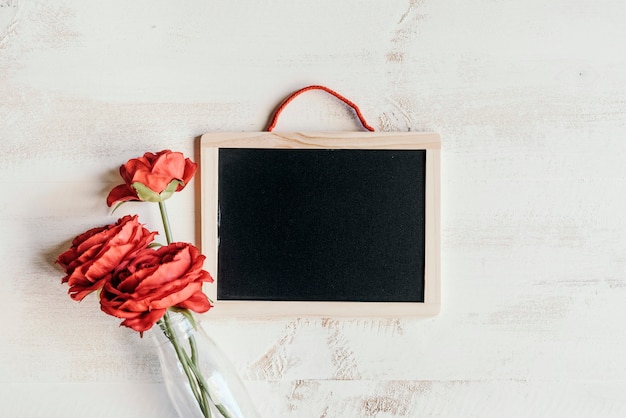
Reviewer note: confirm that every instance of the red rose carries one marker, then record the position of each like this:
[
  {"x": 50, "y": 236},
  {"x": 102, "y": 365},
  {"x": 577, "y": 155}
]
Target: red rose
[
  {"x": 152, "y": 282},
  {"x": 96, "y": 253},
  {"x": 153, "y": 177}
]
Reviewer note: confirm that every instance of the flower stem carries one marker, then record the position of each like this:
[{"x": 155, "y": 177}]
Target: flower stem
[
  {"x": 166, "y": 222},
  {"x": 198, "y": 387},
  {"x": 190, "y": 365},
  {"x": 193, "y": 364}
]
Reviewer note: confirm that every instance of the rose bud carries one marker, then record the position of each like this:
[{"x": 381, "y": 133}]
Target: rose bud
[
  {"x": 152, "y": 282},
  {"x": 96, "y": 253},
  {"x": 153, "y": 177}
]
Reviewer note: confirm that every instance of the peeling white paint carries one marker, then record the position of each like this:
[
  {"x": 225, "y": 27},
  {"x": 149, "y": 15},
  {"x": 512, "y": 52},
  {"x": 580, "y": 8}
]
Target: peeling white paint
[{"x": 8, "y": 19}]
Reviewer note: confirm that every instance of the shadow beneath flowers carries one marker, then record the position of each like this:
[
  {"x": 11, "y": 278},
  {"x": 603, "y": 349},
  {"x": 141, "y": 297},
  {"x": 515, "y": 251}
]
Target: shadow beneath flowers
[{"x": 49, "y": 256}]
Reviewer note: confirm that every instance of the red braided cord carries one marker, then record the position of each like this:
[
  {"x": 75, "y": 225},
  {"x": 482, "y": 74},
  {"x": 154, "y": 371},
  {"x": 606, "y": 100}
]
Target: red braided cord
[{"x": 282, "y": 106}]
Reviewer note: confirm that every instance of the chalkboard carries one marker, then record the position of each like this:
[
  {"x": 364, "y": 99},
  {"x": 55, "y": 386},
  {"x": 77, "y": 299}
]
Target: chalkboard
[{"x": 322, "y": 224}]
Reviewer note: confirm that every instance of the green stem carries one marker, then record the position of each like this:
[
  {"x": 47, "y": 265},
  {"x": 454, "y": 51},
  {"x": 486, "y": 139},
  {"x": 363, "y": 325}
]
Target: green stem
[
  {"x": 205, "y": 389},
  {"x": 193, "y": 364},
  {"x": 190, "y": 365},
  {"x": 166, "y": 222},
  {"x": 198, "y": 388}
]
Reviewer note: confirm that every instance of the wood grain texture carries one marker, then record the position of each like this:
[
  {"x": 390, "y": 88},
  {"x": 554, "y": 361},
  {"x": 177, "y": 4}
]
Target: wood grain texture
[{"x": 528, "y": 97}]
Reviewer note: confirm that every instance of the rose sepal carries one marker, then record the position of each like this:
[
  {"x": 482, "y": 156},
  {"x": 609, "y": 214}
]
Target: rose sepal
[{"x": 145, "y": 194}]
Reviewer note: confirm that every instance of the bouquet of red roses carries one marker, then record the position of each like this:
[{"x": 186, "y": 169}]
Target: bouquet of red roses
[{"x": 137, "y": 279}]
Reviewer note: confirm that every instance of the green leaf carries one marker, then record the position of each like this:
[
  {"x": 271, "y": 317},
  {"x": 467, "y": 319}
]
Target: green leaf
[{"x": 117, "y": 206}]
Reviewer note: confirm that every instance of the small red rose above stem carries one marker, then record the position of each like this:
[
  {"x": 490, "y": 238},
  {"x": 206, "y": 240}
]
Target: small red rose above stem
[{"x": 153, "y": 177}]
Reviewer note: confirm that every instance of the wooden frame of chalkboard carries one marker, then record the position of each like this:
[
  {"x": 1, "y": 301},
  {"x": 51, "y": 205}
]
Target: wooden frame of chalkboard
[{"x": 255, "y": 186}]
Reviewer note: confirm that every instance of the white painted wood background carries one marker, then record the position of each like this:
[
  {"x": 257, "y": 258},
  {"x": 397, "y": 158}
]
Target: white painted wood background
[{"x": 528, "y": 96}]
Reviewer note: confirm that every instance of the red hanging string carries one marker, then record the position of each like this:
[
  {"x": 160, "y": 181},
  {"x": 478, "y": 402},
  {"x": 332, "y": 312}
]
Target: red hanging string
[{"x": 289, "y": 99}]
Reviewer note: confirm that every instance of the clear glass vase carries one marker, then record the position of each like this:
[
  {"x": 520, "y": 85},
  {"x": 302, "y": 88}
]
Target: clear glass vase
[{"x": 205, "y": 383}]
